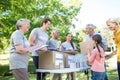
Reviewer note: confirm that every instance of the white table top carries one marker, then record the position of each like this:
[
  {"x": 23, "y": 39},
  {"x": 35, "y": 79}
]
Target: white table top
[{"x": 63, "y": 70}]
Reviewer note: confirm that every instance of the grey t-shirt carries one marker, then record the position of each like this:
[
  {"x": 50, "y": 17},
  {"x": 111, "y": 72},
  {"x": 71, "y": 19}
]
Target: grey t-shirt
[
  {"x": 67, "y": 46},
  {"x": 41, "y": 37},
  {"x": 16, "y": 59},
  {"x": 53, "y": 44},
  {"x": 104, "y": 42}
]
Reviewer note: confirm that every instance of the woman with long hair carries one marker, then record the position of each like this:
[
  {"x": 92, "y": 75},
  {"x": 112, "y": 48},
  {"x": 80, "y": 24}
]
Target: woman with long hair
[{"x": 69, "y": 47}]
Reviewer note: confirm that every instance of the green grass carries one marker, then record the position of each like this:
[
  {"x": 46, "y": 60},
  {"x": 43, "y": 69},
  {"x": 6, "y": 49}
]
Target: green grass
[
  {"x": 80, "y": 76},
  {"x": 31, "y": 77},
  {"x": 6, "y": 74},
  {"x": 112, "y": 75}
]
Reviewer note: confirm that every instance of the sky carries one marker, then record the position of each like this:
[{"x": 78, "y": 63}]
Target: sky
[{"x": 97, "y": 12}]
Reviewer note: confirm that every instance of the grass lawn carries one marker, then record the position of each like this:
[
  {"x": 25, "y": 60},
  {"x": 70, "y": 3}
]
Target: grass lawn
[
  {"x": 5, "y": 73},
  {"x": 80, "y": 76}
]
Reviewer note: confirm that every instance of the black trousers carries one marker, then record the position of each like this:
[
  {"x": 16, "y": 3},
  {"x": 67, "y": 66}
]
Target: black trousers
[{"x": 39, "y": 75}]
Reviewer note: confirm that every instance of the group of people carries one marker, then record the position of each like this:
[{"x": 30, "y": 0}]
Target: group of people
[
  {"x": 20, "y": 48},
  {"x": 96, "y": 57}
]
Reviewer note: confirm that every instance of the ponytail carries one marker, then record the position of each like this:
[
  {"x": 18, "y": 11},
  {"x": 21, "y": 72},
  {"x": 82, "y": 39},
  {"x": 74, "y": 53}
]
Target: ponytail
[
  {"x": 98, "y": 39},
  {"x": 72, "y": 45},
  {"x": 98, "y": 50}
]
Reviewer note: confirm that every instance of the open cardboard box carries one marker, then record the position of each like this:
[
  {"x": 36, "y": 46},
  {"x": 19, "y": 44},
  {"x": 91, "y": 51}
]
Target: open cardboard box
[{"x": 51, "y": 60}]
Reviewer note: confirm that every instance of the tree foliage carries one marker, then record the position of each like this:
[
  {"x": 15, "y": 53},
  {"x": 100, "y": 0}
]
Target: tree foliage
[{"x": 60, "y": 12}]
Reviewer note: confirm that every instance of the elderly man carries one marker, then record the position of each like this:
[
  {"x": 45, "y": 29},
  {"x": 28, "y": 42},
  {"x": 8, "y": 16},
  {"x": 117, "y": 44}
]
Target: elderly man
[
  {"x": 90, "y": 31},
  {"x": 54, "y": 45}
]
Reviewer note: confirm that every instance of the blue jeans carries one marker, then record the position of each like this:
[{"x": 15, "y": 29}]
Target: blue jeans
[
  {"x": 97, "y": 75},
  {"x": 118, "y": 68},
  {"x": 105, "y": 73},
  {"x": 36, "y": 62}
]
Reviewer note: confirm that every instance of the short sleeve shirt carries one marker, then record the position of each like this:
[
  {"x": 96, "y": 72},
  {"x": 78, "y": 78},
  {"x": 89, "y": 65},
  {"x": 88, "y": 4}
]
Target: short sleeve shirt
[
  {"x": 18, "y": 60},
  {"x": 67, "y": 46},
  {"x": 104, "y": 42},
  {"x": 41, "y": 37},
  {"x": 53, "y": 44}
]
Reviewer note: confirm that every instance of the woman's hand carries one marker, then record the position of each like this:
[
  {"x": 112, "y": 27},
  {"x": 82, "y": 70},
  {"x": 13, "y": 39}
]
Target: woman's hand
[
  {"x": 110, "y": 55},
  {"x": 114, "y": 52},
  {"x": 107, "y": 57}
]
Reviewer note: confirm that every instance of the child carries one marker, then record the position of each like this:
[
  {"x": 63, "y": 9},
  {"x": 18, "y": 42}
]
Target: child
[{"x": 96, "y": 58}]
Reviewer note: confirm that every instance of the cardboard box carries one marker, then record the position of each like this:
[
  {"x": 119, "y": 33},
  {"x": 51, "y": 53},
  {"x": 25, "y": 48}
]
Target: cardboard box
[
  {"x": 51, "y": 60},
  {"x": 69, "y": 61},
  {"x": 84, "y": 46},
  {"x": 72, "y": 61},
  {"x": 66, "y": 65}
]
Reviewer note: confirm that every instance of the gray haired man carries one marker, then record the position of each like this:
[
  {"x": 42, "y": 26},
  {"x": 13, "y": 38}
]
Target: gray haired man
[
  {"x": 90, "y": 31},
  {"x": 54, "y": 45}
]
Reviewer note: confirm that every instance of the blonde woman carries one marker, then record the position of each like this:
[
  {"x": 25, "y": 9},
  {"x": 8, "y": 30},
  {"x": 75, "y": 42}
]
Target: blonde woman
[
  {"x": 113, "y": 25},
  {"x": 19, "y": 50}
]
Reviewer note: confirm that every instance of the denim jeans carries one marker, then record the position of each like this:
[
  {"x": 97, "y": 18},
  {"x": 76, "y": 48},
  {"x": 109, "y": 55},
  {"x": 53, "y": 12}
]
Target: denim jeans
[
  {"x": 97, "y": 75},
  {"x": 105, "y": 73},
  {"x": 118, "y": 68},
  {"x": 36, "y": 62}
]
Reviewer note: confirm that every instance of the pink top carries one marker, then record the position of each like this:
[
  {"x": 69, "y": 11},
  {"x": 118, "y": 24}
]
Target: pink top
[{"x": 97, "y": 62}]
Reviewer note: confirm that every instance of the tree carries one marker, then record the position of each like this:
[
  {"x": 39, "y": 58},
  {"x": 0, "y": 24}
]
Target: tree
[{"x": 35, "y": 10}]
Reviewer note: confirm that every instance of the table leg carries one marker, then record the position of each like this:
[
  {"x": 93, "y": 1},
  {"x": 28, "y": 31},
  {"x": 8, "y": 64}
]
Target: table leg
[
  {"x": 68, "y": 76},
  {"x": 41, "y": 76},
  {"x": 51, "y": 76},
  {"x": 87, "y": 73},
  {"x": 60, "y": 77}
]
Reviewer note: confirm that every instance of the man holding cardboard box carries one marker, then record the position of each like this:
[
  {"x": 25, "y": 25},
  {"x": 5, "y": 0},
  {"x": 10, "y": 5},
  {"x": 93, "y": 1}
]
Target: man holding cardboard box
[{"x": 90, "y": 31}]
